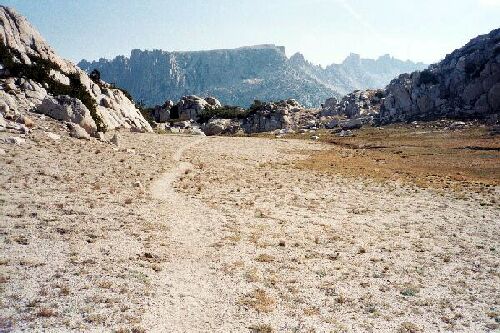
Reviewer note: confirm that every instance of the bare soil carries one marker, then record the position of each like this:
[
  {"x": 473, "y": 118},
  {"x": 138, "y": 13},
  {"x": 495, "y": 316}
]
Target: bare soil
[{"x": 170, "y": 233}]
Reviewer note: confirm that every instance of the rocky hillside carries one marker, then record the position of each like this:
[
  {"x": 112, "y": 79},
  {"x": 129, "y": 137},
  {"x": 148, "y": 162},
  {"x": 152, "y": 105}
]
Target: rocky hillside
[
  {"x": 466, "y": 84},
  {"x": 34, "y": 78},
  {"x": 239, "y": 76}
]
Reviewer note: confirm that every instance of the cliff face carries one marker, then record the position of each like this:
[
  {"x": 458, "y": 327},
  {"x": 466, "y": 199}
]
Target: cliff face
[
  {"x": 32, "y": 76},
  {"x": 236, "y": 76},
  {"x": 466, "y": 84}
]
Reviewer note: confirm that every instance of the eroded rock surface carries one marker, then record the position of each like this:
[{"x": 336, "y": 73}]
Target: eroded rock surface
[{"x": 23, "y": 48}]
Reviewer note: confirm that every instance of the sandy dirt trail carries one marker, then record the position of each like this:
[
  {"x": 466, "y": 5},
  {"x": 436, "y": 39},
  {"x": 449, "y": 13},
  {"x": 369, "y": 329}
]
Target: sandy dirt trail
[{"x": 192, "y": 295}]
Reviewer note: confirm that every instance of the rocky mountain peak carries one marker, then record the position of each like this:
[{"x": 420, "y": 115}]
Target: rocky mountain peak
[
  {"x": 298, "y": 59},
  {"x": 352, "y": 59},
  {"x": 280, "y": 49},
  {"x": 239, "y": 76}
]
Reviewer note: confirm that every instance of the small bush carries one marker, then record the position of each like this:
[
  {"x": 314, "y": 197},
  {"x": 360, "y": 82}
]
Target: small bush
[
  {"x": 496, "y": 51},
  {"x": 227, "y": 112},
  {"x": 95, "y": 76},
  {"x": 124, "y": 91},
  {"x": 256, "y": 105},
  {"x": 261, "y": 328},
  {"x": 174, "y": 112},
  {"x": 474, "y": 70},
  {"x": 409, "y": 291},
  {"x": 427, "y": 77},
  {"x": 46, "y": 313},
  {"x": 147, "y": 113}
]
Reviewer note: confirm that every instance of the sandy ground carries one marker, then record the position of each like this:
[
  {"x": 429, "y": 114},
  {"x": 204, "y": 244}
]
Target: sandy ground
[{"x": 170, "y": 233}]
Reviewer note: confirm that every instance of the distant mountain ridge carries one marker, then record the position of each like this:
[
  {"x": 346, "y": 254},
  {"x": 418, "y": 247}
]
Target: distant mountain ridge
[{"x": 239, "y": 76}]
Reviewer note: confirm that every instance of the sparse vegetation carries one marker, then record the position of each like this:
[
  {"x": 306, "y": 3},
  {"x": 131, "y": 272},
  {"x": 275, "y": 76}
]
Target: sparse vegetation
[
  {"x": 256, "y": 105},
  {"x": 264, "y": 257},
  {"x": 124, "y": 91},
  {"x": 39, "y": 71},
  {"x": 261, "y": 328},
  {"x": 409, "y": 291},
  {"x": 147, "y": 113},
  {"x": 474, "y": 70},
  {"x": 46, "y": 313},
  {"x": 427, "y": 156},
  {"x": 408, "y": 327},
  {"x": 227, "y": 112},
  {"x": 260, "y": 301}
]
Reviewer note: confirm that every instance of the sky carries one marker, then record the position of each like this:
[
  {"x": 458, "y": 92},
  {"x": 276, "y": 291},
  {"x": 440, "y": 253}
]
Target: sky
[{"x": 325, "y": 31}]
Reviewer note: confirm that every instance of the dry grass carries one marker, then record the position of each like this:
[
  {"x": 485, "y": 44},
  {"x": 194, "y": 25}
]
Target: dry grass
[
  {"x": 264, "y": 257},
  {"x": 428, "y": 157},
  {"x": 261, "y": 328},
  {"x": 260, "y": 301},
  {"x": 312, "y": 311},
  {"x": 46, "y": 313},
  {"x": 252, "y": 275},
  {"x": 408, "y": 327}
]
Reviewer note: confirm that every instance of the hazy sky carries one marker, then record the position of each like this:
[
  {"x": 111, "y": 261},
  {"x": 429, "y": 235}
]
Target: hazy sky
[{"x": 325, "y": 31}]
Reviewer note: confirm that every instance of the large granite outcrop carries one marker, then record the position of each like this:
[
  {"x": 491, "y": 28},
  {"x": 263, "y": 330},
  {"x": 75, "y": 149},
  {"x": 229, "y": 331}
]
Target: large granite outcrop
[
  {"x": 25, "y": 57},
  {"x": 270, "y": 116},
  {"x": 239, "y": 76},
  {"x": 191, "y": 111},
  {"x": 190, "y": 107},
  {"x": 465, "y": 85},
  {"x": 360, "y": 103}
]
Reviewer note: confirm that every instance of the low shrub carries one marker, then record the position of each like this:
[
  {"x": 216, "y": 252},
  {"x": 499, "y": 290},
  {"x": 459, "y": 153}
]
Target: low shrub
[
  {"x": 427, "y": 77},
  {"x": 124, "y": 91},
  {"x": 147, "y": 113},
  {"x": 256, "y": 105},
  {"x": 474, "y": 70},
  {"x": 95, "y": 76},
  {"x": 227, "y": 112},
  {"x": 174, "y": 112}
]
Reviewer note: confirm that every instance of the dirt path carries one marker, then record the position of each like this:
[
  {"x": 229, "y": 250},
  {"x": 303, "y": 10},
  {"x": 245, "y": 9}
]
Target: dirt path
[{"x": 192, "y": 294}]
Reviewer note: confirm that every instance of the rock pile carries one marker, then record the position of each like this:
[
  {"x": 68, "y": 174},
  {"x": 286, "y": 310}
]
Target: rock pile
[
  {"x": 360, "y": 103},
  {"x": 270, "y": 116},
  {"x": 222, "y": 126},
  {"x": 161, "y": 113},
  {"x": 190, "y": 107},
  {"x": 189, "y": 114}
]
